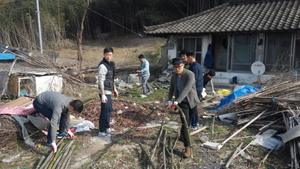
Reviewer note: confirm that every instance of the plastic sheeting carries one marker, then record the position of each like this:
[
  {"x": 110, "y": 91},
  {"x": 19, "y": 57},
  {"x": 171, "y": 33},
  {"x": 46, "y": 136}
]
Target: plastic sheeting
[
  {"x": 8, "y": 56},
  {"x": 238, "y": 92},
  {"x": 16, "y": 110}
]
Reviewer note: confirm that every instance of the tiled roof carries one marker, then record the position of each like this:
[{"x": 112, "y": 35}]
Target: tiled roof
[{"x": 258, "y": 16}]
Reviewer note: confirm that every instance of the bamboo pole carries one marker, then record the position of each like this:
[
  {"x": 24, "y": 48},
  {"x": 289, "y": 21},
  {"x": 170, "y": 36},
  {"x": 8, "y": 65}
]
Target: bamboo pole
[
  {"x": 197, "y": 131},
  {"x": 221, "y": 145},
  {"x": 65, "y": 148},
  {"x": 56, "y": 155},
  {"x": 40, "y": 162},
  {"x": 67, "y": 161},
  {"x": 50, "y": 156}
]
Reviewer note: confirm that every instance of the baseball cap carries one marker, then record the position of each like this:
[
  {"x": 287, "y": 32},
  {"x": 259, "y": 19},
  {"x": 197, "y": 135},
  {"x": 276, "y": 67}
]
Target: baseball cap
[{"x": 177, "y": 61}]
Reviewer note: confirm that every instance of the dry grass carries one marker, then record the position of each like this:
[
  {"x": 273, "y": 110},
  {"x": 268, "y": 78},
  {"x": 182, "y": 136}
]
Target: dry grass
[{"x": 126, "y": 50}]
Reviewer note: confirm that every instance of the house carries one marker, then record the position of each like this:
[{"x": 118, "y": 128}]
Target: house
[{"x": 240, "y": 34}]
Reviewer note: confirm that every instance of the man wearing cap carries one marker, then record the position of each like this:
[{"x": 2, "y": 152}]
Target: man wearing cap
[
  {"x": 145, "y": 72},
  {"x": 183, "y": 87}
]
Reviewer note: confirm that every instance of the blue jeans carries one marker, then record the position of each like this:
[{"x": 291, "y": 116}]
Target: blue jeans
[
  {"x": 145, "y": 84},
  {"x": 106, "y": 109},
  {"x": 194, "y": 119},
  {"x": 48, "y": 113}
]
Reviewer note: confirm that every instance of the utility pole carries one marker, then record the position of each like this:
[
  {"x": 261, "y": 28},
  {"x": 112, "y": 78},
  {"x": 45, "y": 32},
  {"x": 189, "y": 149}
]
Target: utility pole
[{"x": 39, "y": 25}]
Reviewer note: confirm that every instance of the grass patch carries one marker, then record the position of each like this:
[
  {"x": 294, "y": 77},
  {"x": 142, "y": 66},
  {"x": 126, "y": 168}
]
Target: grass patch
[{"x": 134, "y": 94}]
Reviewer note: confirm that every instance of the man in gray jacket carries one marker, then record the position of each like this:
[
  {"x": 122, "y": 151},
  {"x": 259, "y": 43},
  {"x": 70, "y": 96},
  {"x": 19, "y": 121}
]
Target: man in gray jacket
[
  {"x": 57, "y": 108},
  {"x": 182, "y": 86}
]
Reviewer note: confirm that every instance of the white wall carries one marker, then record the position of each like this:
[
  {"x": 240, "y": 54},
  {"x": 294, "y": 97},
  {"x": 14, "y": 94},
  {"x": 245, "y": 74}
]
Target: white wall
[{"x": 244, "y": 78}]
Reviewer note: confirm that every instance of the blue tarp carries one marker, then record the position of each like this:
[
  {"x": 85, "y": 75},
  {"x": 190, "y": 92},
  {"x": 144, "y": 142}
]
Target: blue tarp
[
  {"x": 238, "y": 92},
  {"x": 7, "y": 56}
]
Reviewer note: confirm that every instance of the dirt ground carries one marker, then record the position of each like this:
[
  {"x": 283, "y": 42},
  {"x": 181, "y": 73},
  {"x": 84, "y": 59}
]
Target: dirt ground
[{"x": 139, "y": 126}]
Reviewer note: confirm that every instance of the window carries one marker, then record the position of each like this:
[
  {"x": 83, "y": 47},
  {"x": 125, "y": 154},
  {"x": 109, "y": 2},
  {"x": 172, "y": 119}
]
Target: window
[
  {"x": 243, "y": 52},
  {"x": 194, "y": 44},
  {"x": 278, "y": 50}
]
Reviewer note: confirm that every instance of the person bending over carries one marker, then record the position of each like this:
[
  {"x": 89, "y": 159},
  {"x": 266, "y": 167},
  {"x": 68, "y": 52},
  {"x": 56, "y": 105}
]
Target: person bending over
[{"x": 57, "y": 108}]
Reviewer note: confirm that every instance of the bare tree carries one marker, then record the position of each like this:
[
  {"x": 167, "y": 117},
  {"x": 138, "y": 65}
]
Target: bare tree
[{"x": 79, "y": 33}]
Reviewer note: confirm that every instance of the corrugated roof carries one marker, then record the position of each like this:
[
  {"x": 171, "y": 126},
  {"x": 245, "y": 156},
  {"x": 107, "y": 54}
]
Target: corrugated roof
[{"x": 256, "y": 16}]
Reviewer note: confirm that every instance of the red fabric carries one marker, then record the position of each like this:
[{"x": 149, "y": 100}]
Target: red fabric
[{"x": 16, "y": 110}]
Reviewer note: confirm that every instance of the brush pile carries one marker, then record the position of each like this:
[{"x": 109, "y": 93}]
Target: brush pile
[{"x": 279, "y": 98}]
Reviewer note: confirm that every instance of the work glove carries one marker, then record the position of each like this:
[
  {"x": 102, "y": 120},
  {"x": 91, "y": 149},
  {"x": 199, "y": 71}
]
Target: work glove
[
  {"x": 116, "y": 94},
  {"x": 104, "y": 98},
  {"x": 169, "y": 103},
  {"x": 173, "y": 106},
  {"x": 138, "y": 71},
  {"x": 71, "y": 135},
  {"x": 54, "y": 147},
  {"x": 139, "y": 74}
]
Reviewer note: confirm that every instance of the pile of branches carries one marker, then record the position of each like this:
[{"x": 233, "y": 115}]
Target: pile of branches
[
  {"x": 9, "y": 130},
  {"x": 279, "y": 98}
]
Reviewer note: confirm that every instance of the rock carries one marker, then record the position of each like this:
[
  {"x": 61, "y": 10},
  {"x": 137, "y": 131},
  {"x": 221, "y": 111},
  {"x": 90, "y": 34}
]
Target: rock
[{"x": 204, "y": 139}]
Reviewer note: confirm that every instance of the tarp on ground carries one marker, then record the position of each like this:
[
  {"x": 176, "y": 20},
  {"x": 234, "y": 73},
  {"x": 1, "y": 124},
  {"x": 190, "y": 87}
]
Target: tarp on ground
[{"x": 238, "y": 92}]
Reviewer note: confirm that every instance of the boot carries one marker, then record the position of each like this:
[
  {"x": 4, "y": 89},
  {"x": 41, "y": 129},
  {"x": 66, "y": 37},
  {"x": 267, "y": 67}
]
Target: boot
[{"x": 187, "y": 152}]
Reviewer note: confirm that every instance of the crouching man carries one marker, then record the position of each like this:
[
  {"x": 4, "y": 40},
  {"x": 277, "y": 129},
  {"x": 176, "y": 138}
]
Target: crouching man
[{"x": 57, "y": 108}]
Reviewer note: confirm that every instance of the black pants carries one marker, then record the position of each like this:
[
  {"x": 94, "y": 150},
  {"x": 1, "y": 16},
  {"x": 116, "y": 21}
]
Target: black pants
[{"x": 185, "y": 107}]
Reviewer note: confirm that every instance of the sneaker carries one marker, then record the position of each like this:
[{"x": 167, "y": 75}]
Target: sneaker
[
  {"x": 109, "y": 130},
  {"x": 143, "y": 96},
  {"x": 61, "y": 135},
  {"x": 103, "y": 134},
  {"x": 193, "y": 127}
]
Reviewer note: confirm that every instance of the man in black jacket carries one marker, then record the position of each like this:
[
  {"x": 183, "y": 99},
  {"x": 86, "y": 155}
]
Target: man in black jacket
[{"x": 106, "y": 86}]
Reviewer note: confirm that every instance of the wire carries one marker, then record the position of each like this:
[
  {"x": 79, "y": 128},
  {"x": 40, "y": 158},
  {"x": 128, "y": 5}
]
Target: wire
[{"x": 109, "y": 19}]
